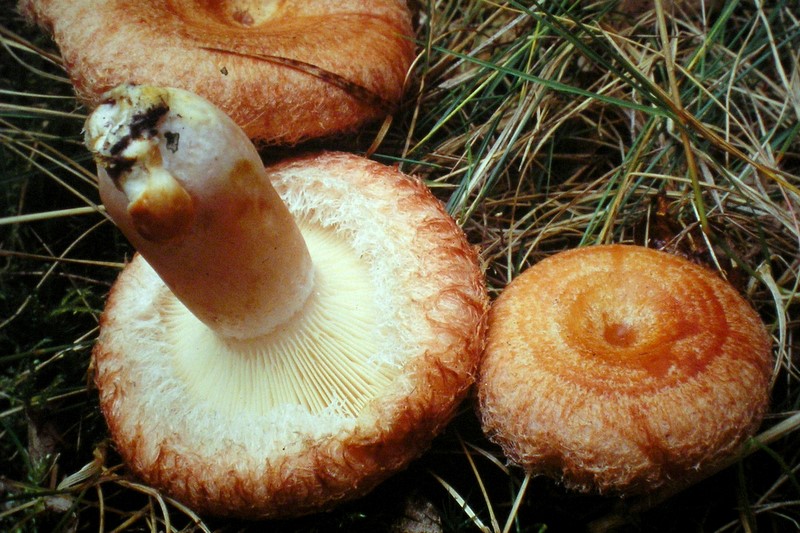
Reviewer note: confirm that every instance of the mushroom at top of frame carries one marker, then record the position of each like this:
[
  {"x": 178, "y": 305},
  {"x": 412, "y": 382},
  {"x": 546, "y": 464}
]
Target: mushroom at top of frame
[
  {"x": 286, "y": 337},
  {"x": 284, "y": 71}
]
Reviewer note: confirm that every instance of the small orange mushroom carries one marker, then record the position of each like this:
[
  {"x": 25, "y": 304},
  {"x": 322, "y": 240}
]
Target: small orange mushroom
[{"x": 622, "y": 369}]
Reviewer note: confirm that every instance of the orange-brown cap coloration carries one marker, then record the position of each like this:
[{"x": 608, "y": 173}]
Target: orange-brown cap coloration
[
  {"x": 284, "y": 71},
  {"x": 375, "y": 308},
  {"x": 622, "y": 369}
]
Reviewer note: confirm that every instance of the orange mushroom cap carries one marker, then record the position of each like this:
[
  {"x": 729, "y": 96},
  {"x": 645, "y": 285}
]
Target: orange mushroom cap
[
  {"x": 622, "y": 369},
  {"x": 284, "y": 71}
]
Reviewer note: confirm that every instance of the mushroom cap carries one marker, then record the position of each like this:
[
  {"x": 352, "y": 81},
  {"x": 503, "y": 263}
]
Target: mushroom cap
[
  {"x": 284, "y": 71},
  {"x": 622, "y": 369},
  {"x": 289, "y": 458}
]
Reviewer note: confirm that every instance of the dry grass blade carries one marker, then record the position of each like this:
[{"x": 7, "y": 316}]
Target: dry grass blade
[
  {"x": 49, "y": 215},
  {"x": 11, "y": 40},
  {"x": 517, "y": 502},
  {"x": 462, "y": 504},
  {"x": 481, "y": 486}
]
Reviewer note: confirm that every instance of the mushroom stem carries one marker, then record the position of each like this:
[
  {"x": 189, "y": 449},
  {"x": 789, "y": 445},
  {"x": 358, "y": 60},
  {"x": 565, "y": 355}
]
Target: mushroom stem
[{"x": 188, "y": 189}]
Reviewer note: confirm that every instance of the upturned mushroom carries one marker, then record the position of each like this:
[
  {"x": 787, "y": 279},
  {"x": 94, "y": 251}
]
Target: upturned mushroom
[
  {"x": 621, "y": 369},
  {"x": 284, "y": 71},
  {"x": 286, "y": 337}
]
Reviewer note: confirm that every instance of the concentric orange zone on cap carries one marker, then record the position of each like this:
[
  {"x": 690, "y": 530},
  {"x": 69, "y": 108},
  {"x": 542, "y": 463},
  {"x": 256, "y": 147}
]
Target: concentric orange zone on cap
[{"x": 620, "y": 368}]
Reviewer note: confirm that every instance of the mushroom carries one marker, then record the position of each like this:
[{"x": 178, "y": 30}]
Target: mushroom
[
  {"x": 285, "y": 337},
  {"x": 621, "y": 369},
  {"x": 285, "y": 71}
]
